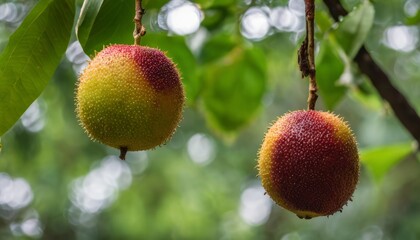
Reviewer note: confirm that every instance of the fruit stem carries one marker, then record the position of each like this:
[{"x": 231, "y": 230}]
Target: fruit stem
[
  {"x": 139, "y": 29},
  {"x": 123, "y": 152},
  {"x": 306, "y": 54}
]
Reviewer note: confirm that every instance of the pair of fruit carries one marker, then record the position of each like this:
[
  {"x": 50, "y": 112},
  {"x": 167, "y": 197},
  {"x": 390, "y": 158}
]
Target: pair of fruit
[{"x": 131, "y": 98}]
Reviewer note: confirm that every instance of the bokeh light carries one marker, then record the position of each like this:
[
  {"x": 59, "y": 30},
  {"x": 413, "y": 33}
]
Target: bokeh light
[
  {"x": 401, "y": 38},
  {"x": 15, "y": 197},
  {"x": 12, "y": 12},
  {"x": 201, "y": 149},
  {"x": 411, "y": 7},
  {"x": 77, "y": 57},
  {"x": 14, "y": 193},
  {"x": 30, "y": 227},
  {"x": 33, "y": 118},
  {"x": 138, "y": 162},
  {"x": 180, "y": 17},
  {"x": 255, "y": 23},
  {"x": 285, "y": 20},
  {"x": 99, "y": 188},
  {"x": 255, "y": 206},
  {"x": 297, "y": 7}
]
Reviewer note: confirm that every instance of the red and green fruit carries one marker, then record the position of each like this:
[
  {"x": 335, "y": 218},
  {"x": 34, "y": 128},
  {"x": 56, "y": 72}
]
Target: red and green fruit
[
  {"x": 130, "y": 97},
  {"x": 309, "y": 163}
]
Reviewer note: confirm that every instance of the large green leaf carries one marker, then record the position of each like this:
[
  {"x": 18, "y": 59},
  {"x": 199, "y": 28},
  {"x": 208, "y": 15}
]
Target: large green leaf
[
  {"x": 234, "y": 87},
  {"x": 329, "y": 69},
  {"x": 104, "y": 22},
  {"x": 353, "y": 30},
  {"x": 108, "y": 23},
  {"x": 86, "y": 19},
  {"x": 31, "y": 57},
  {"x": 379, "y": 160}
]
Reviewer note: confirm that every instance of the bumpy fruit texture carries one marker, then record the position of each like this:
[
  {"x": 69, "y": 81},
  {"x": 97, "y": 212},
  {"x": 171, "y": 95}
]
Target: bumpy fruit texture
[
  {"x": 309, "y": 163},
  {"x": 130, "y": 97}
]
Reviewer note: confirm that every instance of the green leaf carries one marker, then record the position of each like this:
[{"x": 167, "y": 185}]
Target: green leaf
[
  {"x": 111, "y": 22},
  {"x": 354, "y": 28},
  {"x": 176, "y": 48},
  {"x": 31, "y": 57},
  {"x": 86, "y": 19},
  {"x": 366, "y": 94},
  {"x": 233, "y": 91},
  {"x": 323, "y": 20},
  {"x": 381, "y": 159},
  {"x": 329, "y": 69},
  {"x": 216, "y": 47}
]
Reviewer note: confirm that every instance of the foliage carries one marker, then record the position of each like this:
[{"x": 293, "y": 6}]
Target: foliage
[{"x": 29, "y": 60}]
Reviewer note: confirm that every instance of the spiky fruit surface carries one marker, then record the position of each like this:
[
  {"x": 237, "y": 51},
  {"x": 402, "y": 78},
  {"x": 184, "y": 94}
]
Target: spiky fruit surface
[
  {"x": 130, "y": 97},
  {"x": 309, "y": 163}
]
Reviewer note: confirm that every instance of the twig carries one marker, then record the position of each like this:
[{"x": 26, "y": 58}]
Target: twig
[
  {"x": 123, "y": 152},
  {"x": 139, "y": 29},
  {"x": 306, "y": 54},
  {"x": 405, "y": 113}
]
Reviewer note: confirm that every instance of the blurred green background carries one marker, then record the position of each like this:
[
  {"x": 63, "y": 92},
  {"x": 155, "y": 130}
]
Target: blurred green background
[{"x": 239, "y": 66}]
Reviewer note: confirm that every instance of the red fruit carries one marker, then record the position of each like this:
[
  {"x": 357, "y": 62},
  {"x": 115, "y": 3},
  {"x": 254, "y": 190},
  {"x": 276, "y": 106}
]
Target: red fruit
[{"x": 309, "y": 163}]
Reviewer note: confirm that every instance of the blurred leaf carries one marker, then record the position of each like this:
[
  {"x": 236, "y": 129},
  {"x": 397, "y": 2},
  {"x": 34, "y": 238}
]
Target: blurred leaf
[
  {"x": 216, "y": 47},
  {"x": 215, "y": 17},
  {"x": 414, "y": 20},
  {"x": 234, "y": 87},
  {"x": 367, "y": 95},
  {"x": 214, "y": 3},
  {"x": 329, "y": 69},
  {"x": 354, "y": 28},
  {"x": 149, "y": 4},
  {"x": 176, "y": 48},
  {"x": 379, "y": 160},
  {"x": 323, "y": 20},
  {"x": 31, "y": 57}
]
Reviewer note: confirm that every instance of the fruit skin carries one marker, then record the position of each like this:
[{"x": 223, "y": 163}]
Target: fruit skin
[
  {"x": 309, "y": 163},
  {"x": 130, "y": 97}
]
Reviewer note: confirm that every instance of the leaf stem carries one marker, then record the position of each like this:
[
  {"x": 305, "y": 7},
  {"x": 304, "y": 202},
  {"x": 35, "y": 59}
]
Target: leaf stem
[
  {"x": 139, "y": 29},
  {"x": 306, "y": 54}
]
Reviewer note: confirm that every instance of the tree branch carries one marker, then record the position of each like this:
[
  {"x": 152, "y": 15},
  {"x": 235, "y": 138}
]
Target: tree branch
[
  {"x": 139, "y": 29},
  {"x": 405, "y": 113},
  {"x": 306, "y": 54}
]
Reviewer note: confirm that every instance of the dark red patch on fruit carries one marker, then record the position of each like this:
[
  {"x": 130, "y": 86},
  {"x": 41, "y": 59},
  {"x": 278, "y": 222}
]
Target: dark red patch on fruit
[
  {"x": 312, "y": 170},
  {"x": 156, "y": 68}
]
